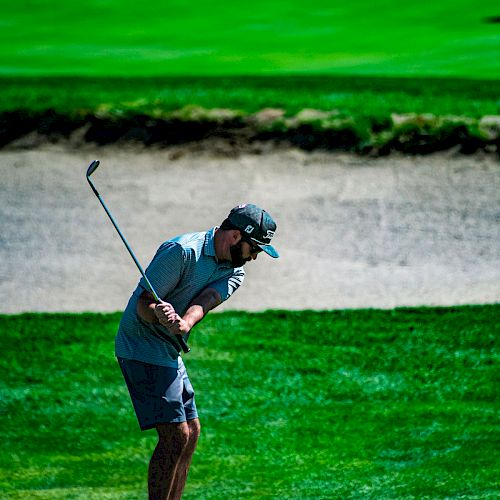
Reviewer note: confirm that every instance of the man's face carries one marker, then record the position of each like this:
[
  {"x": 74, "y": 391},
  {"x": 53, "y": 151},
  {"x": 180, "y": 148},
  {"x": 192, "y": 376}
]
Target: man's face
[{"x": 243, "y": 252}]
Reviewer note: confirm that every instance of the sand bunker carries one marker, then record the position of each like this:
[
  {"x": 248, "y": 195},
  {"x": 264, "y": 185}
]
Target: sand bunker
[{"x": 352, "y": 231}]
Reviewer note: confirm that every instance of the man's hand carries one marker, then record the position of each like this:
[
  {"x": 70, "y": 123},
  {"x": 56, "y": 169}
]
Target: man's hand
[
  {"x": 178, "y": 326},
  {"x": 168, "y": 318},
  {"x": 165, "y": 313}
]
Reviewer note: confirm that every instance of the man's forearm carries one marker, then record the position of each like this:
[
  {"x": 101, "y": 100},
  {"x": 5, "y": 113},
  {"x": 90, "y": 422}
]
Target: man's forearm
[
  {"x": 146, "y": 308},
  {"x": 197, "y": 310},
  {"x": 199, "y": 307}
]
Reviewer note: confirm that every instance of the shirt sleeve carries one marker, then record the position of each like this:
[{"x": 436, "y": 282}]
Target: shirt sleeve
[
  {"x": 228, "y": 285},
  {"x": 165, "y": 270}
]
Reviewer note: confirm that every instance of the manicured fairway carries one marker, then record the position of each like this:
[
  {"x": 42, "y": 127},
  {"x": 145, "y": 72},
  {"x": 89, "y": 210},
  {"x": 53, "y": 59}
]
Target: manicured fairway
[
  {"x": 389, "y": 38},
  {"x": 343, "y": 404}
]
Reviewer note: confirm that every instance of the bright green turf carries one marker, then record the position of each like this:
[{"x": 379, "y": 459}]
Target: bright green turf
[
  {"x": 388, "y": 37},
  {"x": 354, "y": 96},
  {"x": 349, "y": 404}
]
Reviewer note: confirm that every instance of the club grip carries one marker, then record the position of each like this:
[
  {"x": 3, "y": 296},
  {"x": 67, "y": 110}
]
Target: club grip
[{"x": 182, "y": 343}]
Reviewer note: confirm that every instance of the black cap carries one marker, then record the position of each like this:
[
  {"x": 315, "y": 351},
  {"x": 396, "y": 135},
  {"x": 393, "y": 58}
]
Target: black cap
[{"x": 255, "y": 225}]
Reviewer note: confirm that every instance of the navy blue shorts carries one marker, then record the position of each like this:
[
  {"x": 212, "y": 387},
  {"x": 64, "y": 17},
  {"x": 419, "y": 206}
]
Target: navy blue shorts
[{"x": 160, "y": 394}]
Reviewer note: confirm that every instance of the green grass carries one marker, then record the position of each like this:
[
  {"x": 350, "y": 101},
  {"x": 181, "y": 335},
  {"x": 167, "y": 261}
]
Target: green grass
[
  {"x": 342, "y": 404},
  {"x": 124, "y": 38},
  {"x": 363, "y": 59},
  {"x": 357, "y": 97}
]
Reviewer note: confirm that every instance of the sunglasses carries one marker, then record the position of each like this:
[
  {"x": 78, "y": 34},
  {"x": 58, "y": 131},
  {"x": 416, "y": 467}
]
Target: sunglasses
[{"x": 253, "y": 247}]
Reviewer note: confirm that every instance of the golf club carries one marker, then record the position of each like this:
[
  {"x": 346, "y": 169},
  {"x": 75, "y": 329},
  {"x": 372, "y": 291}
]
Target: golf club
[{"x": 92, "y": 168}]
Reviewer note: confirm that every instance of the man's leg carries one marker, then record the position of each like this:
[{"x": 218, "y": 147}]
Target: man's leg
[
  {"x": 185, "y": 460},
  {"x": 173, "y": 439}
]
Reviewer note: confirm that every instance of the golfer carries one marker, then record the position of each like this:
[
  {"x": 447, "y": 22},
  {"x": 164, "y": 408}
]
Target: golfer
[{"x": 193, "y": 274}]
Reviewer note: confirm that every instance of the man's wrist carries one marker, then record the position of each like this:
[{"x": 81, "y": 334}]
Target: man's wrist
[{"x": 154, "y": 320}]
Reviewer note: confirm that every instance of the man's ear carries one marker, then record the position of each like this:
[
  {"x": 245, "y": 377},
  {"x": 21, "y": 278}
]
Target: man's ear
[{"x": 235, "y": 236}]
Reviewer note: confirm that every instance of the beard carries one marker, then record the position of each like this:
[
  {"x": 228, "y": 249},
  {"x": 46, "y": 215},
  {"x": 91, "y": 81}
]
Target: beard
[{"x": 237, "y": 259}]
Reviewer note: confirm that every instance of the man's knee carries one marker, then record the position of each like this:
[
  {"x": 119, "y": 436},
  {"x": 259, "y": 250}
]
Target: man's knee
[
  {"x": 174, "y": 437},
  {"x": 194, "y": 430}
]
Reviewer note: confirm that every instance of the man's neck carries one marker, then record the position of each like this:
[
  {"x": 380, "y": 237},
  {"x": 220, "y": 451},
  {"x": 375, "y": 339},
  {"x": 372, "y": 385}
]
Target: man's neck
[{"x": 219, "y": 244}]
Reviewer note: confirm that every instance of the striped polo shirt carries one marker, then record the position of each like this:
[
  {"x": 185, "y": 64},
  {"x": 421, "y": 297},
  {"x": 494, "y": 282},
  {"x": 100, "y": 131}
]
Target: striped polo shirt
[{"x": 181, "y": 269}]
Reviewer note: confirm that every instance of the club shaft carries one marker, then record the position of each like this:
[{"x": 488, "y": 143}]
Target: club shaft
[
  {"x": 179, "y": 338},
  {"x": 151, "y": 288}
]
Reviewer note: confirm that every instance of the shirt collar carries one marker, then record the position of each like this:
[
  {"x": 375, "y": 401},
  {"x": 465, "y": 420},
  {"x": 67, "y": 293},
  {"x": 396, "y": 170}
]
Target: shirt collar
[{"x": 209, "y": 245}]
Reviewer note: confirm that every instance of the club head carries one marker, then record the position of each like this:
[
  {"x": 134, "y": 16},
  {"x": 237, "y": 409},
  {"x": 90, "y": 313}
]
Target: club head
[{"x": 92, "y": 168}]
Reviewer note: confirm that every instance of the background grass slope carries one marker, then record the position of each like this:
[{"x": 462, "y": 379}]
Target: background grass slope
[
  {"x": 127, "y": 38},
  {"x": 362, "y": 114},
  {"x": 340, "y": 404},
  {"x": 360, "y": 97},
  {"x": 120, "y": 68}
]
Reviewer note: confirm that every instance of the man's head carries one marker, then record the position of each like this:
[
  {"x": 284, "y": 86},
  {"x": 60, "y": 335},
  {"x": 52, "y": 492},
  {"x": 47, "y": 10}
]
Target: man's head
[{"x": 256, "y": 229}]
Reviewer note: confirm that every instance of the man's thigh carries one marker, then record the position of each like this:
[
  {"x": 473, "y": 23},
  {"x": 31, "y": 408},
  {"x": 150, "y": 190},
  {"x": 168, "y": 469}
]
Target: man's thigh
[{"x": 160, "y": 394}]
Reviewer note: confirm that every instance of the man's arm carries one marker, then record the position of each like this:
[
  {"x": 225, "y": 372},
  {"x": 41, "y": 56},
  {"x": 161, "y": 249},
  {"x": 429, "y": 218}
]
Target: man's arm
[
  {"x": 146, "y": 305},
  {"x": 164, "y": 272},
  {"x": 207, "y": 300},
  {"x": 163, "y": 313}
]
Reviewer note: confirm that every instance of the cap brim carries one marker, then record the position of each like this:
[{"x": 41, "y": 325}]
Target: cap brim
[{"x": 270, "y": 250}]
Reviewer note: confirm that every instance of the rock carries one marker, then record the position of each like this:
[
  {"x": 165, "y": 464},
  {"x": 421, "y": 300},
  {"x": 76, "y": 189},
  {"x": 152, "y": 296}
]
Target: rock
[
  {"x": 490, "y": 126},
  {"x": 267, "y": 116}
]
